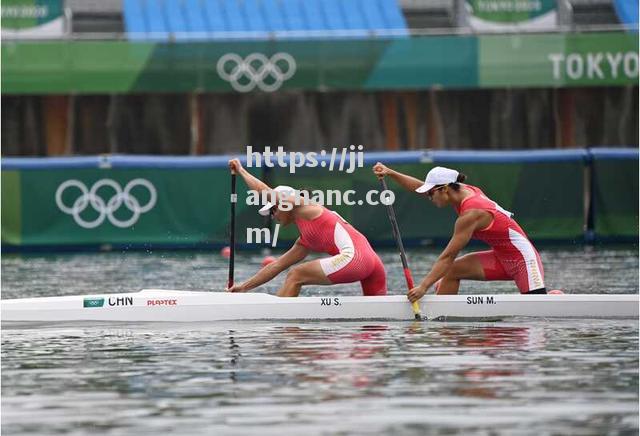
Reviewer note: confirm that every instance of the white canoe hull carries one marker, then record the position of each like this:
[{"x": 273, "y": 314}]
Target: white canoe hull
[{"x": 156, "y": 305}]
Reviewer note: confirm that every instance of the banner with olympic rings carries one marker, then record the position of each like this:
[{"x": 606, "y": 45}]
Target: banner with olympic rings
[
  {"x": 123, "y": 202},
  {"x": 421, "y": 62}
]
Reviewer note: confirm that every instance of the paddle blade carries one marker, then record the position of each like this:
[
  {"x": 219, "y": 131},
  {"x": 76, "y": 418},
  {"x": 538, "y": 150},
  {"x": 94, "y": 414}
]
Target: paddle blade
[{"x": 416, "y": 311}]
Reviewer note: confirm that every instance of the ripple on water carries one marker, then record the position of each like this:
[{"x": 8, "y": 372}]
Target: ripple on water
[{"x": 521, "y": 377}]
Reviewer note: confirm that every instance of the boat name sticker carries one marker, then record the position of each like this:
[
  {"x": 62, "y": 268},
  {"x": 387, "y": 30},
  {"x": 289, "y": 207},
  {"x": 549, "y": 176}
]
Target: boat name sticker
[
  {"x": 330, "y": 301},
  {"x": 121, "y": 301},
  {"x": 480, "y": 300},
  {"x": 162, "y": 302},
  {"x": 93, "y": 302}
]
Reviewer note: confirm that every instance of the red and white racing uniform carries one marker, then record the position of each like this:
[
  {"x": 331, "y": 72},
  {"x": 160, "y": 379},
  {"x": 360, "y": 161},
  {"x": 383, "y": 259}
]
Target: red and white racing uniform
[
  {"x": 512, "y": 256},
  {"x": 352, "y": 258}
]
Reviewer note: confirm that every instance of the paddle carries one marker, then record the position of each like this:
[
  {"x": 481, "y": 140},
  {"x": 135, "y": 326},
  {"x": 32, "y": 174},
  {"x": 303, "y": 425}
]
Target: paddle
[
  {"x": 232, "y": 236},
  {"x": 396, "y": 235}
]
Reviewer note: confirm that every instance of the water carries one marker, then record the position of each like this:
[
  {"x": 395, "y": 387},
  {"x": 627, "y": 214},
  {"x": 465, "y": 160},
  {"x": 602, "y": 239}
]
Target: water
[{"x": 517, "y": 377}]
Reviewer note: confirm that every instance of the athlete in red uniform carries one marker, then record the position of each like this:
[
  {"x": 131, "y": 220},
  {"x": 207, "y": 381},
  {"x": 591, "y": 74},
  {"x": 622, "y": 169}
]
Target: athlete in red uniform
[
  {"x": 512, "y": 256},
  {"x": 351, "y": 257}
]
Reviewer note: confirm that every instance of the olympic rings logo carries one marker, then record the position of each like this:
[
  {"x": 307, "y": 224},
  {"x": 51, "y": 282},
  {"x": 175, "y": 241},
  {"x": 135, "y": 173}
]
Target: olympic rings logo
[
  {"x": 254, "y": 69},
  {"x": 106, "y": 209}
]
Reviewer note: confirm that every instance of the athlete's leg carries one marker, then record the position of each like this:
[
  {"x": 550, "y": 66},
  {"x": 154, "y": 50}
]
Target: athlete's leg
[
  {"x": 308, "y": 273},
  {"x": 481, "y": 265},
  {"x": 376, "y": 282},
  {"x": 529, "y": 275}
]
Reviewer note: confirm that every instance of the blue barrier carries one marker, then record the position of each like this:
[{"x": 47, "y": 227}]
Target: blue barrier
[
  {"x": 370, "y": 158},
  {"x": 614, "y": 153}
]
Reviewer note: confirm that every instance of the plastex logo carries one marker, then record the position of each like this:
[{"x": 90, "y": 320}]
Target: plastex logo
[
  {"x": 105, "y": 207},
  {"x": 268, "y": 74},
  {"x": 166, "y": 302},
  {"x": 93, "y": 302}
]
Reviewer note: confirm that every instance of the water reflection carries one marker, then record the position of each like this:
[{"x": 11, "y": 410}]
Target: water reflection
[{"x": 320, "y": 377}]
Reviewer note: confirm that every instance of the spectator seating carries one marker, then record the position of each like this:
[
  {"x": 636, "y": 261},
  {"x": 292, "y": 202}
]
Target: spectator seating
[{"x": 261, "y": 19}]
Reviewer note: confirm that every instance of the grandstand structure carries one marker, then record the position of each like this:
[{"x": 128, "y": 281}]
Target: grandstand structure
[
  {"x": 210, "y": 76},
  {"x": 94, "y": 16},
  {"x": 199, "y": 19},
  {"x": 261, "y": 19}
]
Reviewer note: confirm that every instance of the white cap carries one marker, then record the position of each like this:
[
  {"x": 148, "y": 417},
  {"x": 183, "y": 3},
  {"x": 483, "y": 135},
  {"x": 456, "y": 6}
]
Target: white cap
[
  {"x": 280, "y": 192},
  {"x": 438, "y": 176}
]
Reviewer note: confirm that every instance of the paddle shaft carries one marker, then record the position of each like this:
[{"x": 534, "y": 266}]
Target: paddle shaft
[
  {"x": 232, "y": 236},
  {"x": 403, "y": 257}
]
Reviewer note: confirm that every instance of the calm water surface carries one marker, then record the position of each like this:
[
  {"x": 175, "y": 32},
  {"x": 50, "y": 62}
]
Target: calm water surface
[{"x": 517, "y": 377}]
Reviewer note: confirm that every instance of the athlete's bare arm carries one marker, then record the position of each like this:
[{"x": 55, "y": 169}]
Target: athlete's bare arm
[
  {"x": 407, "y": 182},
  {"x": 466, "y": 224},
  {"x": 252, "y": 182},
  {"x": 294, "y": 255}
]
